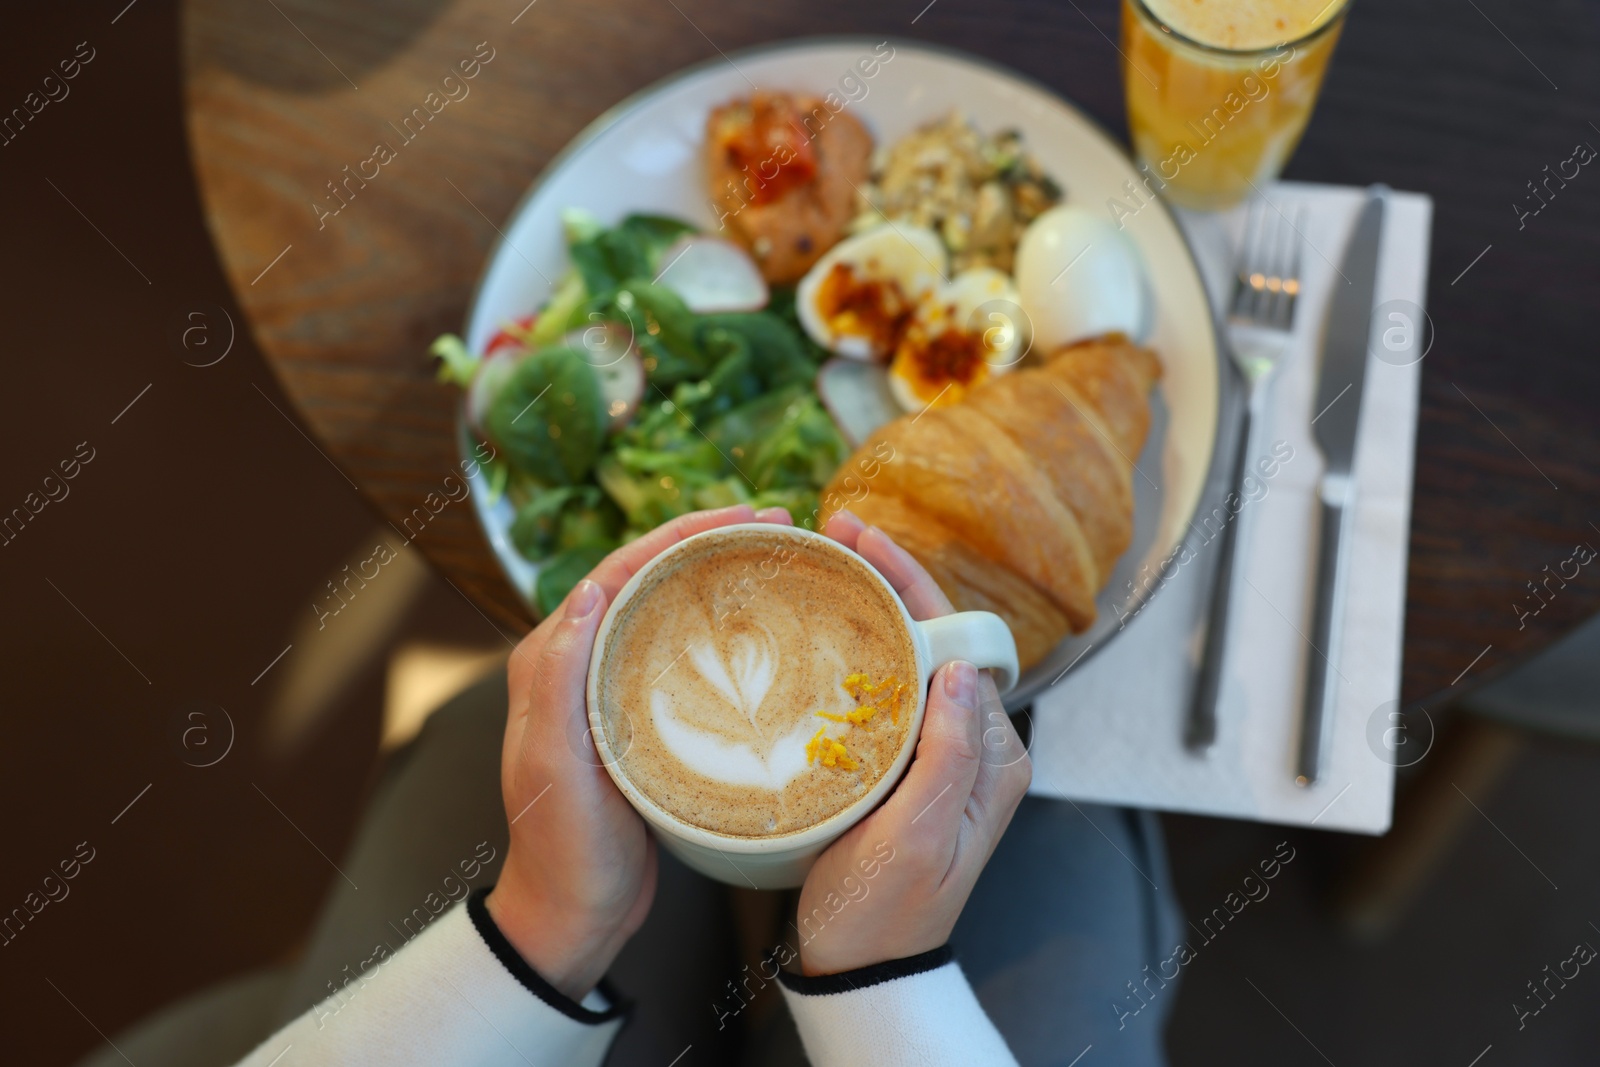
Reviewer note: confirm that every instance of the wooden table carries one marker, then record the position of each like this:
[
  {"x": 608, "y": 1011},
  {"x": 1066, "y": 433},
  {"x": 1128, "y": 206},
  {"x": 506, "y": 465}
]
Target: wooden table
[{"x": 283, "y": 97}]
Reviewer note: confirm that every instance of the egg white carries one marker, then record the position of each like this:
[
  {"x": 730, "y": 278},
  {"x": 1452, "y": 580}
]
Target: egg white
[
  {"x": 1079, "y": 277},
  {"x": 913, "y": 257}
]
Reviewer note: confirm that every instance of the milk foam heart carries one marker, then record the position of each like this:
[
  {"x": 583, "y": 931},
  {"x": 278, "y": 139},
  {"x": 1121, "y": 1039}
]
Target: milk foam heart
[
  {"x": 741, "y": 670},
  {"x": 729, "y": 762},
  {"x": 753, "y": 661},
  {"x": 714, "y": 674}
]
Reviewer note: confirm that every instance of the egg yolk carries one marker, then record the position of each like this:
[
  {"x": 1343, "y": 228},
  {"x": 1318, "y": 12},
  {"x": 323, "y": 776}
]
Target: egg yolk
[
  {"x": 942, "y": 365},
  {"x": 870, "y": 308}
]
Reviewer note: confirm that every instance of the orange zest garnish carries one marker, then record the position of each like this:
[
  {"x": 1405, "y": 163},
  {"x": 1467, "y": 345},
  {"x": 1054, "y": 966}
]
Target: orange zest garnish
[
  {"x": 888, "y": 695},
  {"x": 829, "y": 752}
]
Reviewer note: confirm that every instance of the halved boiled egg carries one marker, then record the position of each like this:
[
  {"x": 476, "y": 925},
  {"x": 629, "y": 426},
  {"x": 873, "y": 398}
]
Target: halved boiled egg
[
  {"x": 857, "y": 299},
  {"x": 958, "y": 337},
  {"x": 1080, "y": 276}
]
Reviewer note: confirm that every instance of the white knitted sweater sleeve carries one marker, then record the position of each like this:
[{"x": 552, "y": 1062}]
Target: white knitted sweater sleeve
[
  {"x": 915, "y": 1012},
  {"x": 457, "y": 994}
]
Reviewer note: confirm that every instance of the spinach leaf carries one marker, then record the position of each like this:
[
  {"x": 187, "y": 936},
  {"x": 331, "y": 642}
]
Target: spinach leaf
[
  {"x": 733, "y": 381},
  {"x": 664, "y": 329},
  {"x": 561, "y": 572},
  {"x": 774, "y": 348},
  {"x": 549, "y": 417},
  {"x": 654, "y": 234},
  {"x": 631, "y": 249},
  {"x": 781, "y": 306}
]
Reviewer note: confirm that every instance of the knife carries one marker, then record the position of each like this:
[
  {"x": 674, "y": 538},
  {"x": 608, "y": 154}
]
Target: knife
[{"x": 1338, "y": 414}]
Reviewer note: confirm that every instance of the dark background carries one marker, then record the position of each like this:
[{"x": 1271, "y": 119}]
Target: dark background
[
  {"x": 195, "y": 541},
  {"x": 205, "y": 526}
]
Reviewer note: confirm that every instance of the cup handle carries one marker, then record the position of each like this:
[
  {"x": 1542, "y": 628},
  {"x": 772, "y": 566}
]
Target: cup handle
[{"x": 980, "y": 637}]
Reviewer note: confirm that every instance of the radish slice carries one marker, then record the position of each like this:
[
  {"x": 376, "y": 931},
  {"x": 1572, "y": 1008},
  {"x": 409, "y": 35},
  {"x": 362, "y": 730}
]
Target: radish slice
[
  {"x": 603, "y": 344},
  {"x": 493, "y": 371},
  {"x": 711, "y": 274},
  {"x": 500, "y": 355},
  {"x": 608, "y": 348},
  {"x": 622, "y": 387},
  {"x": 857, "y": 395}
]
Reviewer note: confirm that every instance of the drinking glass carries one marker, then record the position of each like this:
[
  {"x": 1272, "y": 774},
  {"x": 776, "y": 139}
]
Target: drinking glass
[{"x": 1212, "y": 118}]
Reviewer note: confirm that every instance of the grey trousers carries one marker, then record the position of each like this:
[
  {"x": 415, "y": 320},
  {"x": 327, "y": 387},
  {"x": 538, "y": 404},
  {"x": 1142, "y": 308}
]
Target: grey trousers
[{"x": 1073, "y": 905}]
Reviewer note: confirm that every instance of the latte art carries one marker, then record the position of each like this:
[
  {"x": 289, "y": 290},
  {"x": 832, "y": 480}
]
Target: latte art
[
  {"x": 716, "y": 712},
  {"x": 753, "y": 659},
  {"x": 737, "y": 749}
]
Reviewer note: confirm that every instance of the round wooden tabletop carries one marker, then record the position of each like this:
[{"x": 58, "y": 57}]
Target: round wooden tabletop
[{"x": 345, "y": 281}]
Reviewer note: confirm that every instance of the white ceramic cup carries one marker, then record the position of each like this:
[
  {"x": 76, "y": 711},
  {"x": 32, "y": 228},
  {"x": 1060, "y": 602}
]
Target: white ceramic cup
[{"x": 782, "y": 860}]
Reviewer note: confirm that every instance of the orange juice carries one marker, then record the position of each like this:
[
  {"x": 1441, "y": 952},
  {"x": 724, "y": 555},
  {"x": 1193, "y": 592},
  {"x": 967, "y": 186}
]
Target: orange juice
[{"x": 1219, "y": 91}]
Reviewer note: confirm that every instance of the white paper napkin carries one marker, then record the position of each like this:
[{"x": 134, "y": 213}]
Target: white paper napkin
[{"x": 1111, "y": 730}]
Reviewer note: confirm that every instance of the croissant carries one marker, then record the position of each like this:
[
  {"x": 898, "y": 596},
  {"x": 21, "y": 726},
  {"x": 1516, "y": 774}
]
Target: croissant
[{"x": 1019, "y": 499}]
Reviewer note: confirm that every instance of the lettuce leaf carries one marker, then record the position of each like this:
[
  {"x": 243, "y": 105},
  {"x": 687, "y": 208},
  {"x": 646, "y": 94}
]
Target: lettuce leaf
[
  {"x": 557, "y": 317},
  {"x": 782, "y": 440},
  {"x": 456, "y": 364},
  {"x": 555, "y": 520},
  {"x": 778, "y": 448}
]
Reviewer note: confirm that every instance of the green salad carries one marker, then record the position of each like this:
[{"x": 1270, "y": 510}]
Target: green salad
[{"x": 616, "y": 407}]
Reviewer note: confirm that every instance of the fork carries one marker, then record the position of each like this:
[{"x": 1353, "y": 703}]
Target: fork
[{"x": 1261, "y": 310}]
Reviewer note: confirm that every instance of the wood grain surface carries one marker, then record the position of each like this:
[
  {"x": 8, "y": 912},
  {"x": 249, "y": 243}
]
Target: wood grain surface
[{"x": 1465, "y": 102}]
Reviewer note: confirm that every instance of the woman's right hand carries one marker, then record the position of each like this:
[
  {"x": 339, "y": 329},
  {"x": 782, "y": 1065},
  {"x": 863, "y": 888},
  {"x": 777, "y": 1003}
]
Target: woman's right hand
[
  {"x": 581, "y": 868},
  {"x": 894, "y": 885}
]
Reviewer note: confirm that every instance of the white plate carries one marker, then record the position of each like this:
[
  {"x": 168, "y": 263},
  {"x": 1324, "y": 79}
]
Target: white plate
[{"x": 645, "y": 155}]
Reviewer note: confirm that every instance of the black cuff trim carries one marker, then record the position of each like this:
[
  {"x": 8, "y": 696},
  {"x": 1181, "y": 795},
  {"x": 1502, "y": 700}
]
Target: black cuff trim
[
  {"x": 862, "y": 977},
  {"x": 509, "y": 958}
]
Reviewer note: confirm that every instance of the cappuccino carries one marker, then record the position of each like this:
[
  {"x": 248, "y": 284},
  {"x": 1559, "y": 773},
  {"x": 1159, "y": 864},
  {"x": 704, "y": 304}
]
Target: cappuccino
[{"x": 756, "y": 684}]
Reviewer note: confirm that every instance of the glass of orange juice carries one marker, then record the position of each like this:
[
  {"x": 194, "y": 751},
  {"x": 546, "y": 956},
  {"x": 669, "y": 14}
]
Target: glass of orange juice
[{"x": 1219, "y": 91}]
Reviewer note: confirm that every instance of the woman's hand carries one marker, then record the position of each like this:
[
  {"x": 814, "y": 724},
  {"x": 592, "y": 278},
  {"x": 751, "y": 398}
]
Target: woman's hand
[
  {"x": 894, "y": 885},
  {"x": 581, "y": 869}
]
